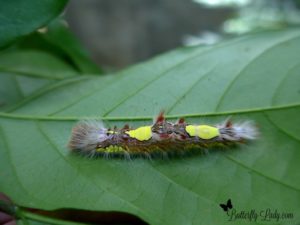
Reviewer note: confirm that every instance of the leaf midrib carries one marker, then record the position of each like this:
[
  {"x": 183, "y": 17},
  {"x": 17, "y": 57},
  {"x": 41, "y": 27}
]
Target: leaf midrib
[{"x": 76, "y": 118}]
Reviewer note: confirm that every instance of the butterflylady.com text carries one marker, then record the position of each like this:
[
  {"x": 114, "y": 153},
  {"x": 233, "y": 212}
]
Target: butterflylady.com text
[{"x": 259, "y": 215}]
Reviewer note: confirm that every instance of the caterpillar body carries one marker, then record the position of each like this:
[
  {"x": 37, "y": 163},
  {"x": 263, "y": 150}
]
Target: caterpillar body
[{"x": 91, "y": 138}]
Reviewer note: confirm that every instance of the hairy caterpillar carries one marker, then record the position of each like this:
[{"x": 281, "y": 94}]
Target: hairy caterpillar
[{"x": 162, "y": 137}]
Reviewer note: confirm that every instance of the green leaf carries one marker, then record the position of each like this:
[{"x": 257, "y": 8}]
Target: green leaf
[
  {"x": 58, "y": 40},
  {"x": 60, "y": 36},
  {"x": 250, "y": 78},
  {"x": 18, "y": 18},
  {"x": 24, "y": 72}
]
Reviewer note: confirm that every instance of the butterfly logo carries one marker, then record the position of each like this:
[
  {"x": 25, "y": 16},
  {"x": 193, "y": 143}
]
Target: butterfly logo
[{"x": 226, "y": 206}]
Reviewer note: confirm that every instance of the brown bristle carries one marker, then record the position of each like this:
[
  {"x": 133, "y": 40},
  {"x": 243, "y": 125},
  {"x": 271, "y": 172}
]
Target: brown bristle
[
  {"x": 181, "y": 121},
  {"x": 164, "y": 136},
  {"x": 183, "y": 137},
  {"x": 228, "y": 124},
  {"x": 126, "y": 127},
  {"x": 160, "y": 118}
]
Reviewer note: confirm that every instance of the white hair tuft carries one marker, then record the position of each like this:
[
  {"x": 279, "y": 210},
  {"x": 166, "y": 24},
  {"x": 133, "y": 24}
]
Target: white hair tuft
[
  {"x": 87, "y": 134},
  {"x": 238, "y": 131}
]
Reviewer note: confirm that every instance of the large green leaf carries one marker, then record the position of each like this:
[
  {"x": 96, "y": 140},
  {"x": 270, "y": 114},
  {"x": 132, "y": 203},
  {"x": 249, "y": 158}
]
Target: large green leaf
[
  {"x": 18, "y": 17},
  {"x": 250, "y": 78}
]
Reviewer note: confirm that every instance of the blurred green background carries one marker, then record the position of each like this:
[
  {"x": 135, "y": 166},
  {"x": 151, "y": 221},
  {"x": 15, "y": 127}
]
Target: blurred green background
[{"x": 120, "y": 33}]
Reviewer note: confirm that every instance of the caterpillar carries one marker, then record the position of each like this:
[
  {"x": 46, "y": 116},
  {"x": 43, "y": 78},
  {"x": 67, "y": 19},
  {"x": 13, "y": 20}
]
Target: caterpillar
[{"x": 91, "y": 138}]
